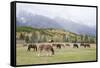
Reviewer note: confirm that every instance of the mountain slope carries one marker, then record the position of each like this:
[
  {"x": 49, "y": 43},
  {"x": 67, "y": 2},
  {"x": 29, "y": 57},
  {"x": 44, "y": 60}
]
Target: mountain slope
[
  {"x": 76, "y": 27},
  {"x": 36, "y": 21}
]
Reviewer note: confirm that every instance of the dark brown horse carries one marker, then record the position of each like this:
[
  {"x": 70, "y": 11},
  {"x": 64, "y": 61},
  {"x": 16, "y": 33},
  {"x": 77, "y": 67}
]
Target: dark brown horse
[
  {"x": 85, "y": 45},
  {"x": 33, "y": 46},
  {"x": 46, "y": 47},
  {"x": 82, "y": 45},
  {"x": 75, "y": 45},
  {"x": 58, "y": 45}
]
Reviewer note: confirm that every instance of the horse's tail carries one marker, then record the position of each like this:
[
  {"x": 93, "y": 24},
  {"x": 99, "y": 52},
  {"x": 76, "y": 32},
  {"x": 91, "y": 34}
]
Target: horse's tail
[{"x": 52, "y": 51}]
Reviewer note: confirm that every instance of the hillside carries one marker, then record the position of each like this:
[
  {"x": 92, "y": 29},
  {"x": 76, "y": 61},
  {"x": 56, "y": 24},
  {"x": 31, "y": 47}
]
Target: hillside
[{"x": 43, "y": 35}]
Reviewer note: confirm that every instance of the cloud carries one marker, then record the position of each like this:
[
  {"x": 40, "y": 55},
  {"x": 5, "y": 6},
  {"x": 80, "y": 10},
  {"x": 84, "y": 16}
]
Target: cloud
[{"x": 83, "y": 15}]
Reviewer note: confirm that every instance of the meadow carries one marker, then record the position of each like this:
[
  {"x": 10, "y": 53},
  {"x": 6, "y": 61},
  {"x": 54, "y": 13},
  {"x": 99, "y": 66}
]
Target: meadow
[{"x": 65, "y": 54}]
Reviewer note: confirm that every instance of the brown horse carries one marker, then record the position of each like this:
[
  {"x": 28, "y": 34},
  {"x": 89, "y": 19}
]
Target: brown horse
[
  {"x": 46, "y": 47},
  {"x": 33, "y": 46}
]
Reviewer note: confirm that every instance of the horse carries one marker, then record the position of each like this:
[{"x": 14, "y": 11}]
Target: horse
[
  {"x": 75, "y": 45},
  {"x": 85, "y": 45},
  {"x": 82, "y": 45},
  {"x": 33, "y": 46},
  {"x": 46, "y": 47},
  {"x": 58, "y": 45}
]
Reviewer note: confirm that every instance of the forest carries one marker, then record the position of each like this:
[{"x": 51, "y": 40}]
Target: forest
[{"x": 38, "y": 35}]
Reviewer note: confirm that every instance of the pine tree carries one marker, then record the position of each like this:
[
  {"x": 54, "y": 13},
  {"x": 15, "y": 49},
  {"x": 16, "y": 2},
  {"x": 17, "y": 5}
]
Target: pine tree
[
  {"x": 27, "y": 39},
  {"x": 22, "y": 36}
]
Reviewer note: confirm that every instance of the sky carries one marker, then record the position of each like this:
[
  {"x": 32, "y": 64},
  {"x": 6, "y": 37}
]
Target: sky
[{"x": 82, "y": 15}]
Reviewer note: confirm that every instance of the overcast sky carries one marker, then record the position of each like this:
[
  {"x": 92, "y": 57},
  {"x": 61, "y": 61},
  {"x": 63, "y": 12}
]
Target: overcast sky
[{"x": 83, "y": 15}]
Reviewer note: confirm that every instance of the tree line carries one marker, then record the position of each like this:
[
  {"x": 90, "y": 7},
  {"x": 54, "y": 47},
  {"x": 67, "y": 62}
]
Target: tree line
[{"x": 37, "y": 37}]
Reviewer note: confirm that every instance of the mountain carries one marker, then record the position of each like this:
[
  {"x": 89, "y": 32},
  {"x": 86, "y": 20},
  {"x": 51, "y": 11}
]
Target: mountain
[
  {"x": 76, "y": 27},
  {"x": 39, "y": 21},
  {"x": 36, "y": 21}
]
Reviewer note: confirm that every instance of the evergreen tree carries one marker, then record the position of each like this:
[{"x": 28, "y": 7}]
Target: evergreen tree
[
  {"x": 22, "y": 36},
  {"x": 27, "y": 39},
  {"x": 86, "y": 38}
]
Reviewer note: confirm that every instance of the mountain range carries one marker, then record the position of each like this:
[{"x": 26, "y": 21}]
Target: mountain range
[{"x": 41, "y": 21}]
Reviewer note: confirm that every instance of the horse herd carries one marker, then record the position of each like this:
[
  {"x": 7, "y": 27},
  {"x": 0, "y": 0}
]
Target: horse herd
[{"x": 49, "y": 47}]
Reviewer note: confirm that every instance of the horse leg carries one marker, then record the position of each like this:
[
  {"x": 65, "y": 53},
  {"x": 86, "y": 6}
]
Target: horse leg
[
  {"x": 39, "y": 53},
  {"x": 40, "y": 50},
  {"x": 47, "y": 53},
  {"x": 85, "y": 46},
  {"x": 28, "y": 49},
  {"x": 52, "y": 51},
  {"x": 36, "y": 48},
  {"x": 77, "y": 46}
]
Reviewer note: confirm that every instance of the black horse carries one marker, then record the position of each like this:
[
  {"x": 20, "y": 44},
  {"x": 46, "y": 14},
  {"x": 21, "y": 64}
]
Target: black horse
[
  {"x": 75, "y": 45},
  {"x": 33, "y": 46}
]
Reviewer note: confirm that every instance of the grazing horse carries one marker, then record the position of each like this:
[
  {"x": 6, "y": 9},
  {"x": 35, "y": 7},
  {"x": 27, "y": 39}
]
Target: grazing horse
[
  {"x": 82, "y": 45},
  {"x": 46, "y": 47},
  {"x": 58, "y": 45},
  {"x": 32, "y": 46},
  {"x": 85, "y": 45},
  {"x": 75, "y": 45}
]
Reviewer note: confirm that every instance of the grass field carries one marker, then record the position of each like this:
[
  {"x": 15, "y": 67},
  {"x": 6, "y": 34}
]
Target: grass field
[{"x": 66, "y": 54}]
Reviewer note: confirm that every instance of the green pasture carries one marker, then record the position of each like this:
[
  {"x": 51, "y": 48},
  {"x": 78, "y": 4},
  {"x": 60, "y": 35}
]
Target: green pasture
[{"x": 24, "y": 57}]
